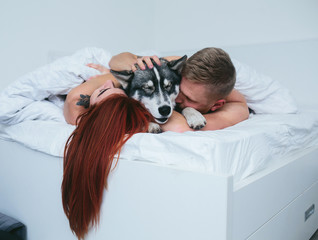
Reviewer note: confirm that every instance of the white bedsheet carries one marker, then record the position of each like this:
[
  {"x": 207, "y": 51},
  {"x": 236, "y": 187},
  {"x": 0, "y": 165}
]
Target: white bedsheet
[
  {"x": 29, "y": 118},
  {"x": 240, "y": 150}
]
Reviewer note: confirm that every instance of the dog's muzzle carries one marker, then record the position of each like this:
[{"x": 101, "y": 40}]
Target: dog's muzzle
[
  {"x": 165, "y": 112},
  {"x": 161, "y": 120}
]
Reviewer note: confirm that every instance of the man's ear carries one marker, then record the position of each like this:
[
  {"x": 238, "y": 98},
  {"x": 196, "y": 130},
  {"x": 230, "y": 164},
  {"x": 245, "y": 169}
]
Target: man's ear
[
  {"x": 123, "y": 77},
  {"x": 218, "y": 105},
  {"x": 177, "y": 65}
]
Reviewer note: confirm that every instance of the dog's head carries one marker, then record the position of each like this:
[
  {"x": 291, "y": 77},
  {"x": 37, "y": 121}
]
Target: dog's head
[{"x": 156, "y": 88}]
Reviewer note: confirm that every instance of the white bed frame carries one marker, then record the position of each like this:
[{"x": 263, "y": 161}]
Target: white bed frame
[
  {"x": 148, "y": 202},
  {"x": 152, "y": 202}
]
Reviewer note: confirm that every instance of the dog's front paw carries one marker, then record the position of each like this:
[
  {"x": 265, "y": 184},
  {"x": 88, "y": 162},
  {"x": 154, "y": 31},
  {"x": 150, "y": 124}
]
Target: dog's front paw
[
  {"x": 194, "y": 118},
  {"x": 154, "y": 128}
]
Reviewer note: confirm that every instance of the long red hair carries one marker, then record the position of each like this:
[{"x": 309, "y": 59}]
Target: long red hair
[{"x": 88, "y": 156}]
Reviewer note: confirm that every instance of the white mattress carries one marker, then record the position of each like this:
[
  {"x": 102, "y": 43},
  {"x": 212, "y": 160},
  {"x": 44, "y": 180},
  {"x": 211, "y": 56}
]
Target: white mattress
[{"x": 240, "y": 150}]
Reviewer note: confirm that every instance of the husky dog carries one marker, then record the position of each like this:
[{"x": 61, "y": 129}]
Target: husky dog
[{"x": 157, "y": 89}]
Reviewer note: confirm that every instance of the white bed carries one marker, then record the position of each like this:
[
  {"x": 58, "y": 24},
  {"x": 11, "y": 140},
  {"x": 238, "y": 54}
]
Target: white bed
[{"x": 256, "y": 180}]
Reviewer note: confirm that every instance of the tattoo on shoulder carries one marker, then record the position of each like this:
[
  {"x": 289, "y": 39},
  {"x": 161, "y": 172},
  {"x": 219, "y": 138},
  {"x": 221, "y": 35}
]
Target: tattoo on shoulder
[{"x": 84, "y": 100}]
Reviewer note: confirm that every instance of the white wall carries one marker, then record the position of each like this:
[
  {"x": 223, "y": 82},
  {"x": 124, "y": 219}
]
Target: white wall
[
  {"x": 203, "y": 23},
  {"x": 30, "y": 30}
]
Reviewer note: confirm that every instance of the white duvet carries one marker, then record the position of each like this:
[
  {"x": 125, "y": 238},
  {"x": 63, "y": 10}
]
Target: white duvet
[{"x": 31, "y": 113}]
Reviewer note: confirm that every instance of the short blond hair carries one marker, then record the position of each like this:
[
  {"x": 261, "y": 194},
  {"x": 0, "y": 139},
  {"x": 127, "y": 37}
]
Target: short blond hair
[{"x": 212, "y": 67}]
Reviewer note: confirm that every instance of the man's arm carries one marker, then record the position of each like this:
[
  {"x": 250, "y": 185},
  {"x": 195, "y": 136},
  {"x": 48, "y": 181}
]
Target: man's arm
[
  {"x": 176, "y": 123},
  {"x": 234, "y": 111},
  {"x": 123, "y": 61}
]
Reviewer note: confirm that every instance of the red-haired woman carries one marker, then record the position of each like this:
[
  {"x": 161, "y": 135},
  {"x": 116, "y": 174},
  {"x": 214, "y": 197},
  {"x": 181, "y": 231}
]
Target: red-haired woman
[
  {"x": 102, "y": 129},
  {"x": 106, "y": 118}
]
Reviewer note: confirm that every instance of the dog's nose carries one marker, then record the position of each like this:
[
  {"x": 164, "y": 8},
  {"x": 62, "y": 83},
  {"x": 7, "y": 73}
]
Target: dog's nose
[{"x": 165, "y": 110}]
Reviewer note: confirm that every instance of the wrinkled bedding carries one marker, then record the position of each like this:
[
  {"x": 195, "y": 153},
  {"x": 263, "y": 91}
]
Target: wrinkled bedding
[{"x": 31, "y": 112}]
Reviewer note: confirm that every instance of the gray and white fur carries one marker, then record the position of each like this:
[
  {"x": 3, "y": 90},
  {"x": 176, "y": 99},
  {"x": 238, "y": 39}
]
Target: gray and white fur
[{"x": 156, "y": 88}]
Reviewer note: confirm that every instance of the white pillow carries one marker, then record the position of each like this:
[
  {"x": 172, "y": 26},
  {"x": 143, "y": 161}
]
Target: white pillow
[{"x": 262, "y": 93}]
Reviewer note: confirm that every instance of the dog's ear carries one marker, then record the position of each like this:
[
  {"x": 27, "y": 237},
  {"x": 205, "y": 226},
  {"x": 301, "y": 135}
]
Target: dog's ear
[
  {"x": 123, "y": 77},
  {"x": 177, "y": 65}
]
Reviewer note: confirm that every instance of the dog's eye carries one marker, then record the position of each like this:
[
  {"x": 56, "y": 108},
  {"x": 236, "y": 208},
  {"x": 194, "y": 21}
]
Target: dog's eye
[
  {"x": 148, "y": 88},
  {"x": 168, "y": 85}
]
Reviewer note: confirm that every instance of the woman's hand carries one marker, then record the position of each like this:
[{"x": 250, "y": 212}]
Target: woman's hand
[{"x": 144, "y": 61}]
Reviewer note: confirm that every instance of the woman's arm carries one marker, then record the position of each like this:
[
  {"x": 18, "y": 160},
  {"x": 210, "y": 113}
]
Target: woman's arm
[
  {"x": 127, "y": 61},
  {"x": 77, "y": 100}
]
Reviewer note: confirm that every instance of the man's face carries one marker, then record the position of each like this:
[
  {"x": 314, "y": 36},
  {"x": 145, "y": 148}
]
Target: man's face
[{"x": 194, "y": 95}]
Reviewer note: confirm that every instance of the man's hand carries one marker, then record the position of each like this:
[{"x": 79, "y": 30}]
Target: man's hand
[{"x": 102, "y": 69}]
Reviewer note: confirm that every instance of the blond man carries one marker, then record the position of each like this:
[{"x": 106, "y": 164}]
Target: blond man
[{"x": 207, "y": 85}]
